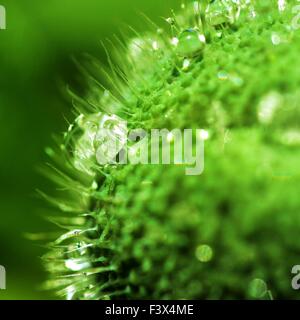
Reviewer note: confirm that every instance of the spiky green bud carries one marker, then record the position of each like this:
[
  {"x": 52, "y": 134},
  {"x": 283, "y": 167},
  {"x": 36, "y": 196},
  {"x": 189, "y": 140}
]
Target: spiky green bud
[{"x": 149, "y": 231}]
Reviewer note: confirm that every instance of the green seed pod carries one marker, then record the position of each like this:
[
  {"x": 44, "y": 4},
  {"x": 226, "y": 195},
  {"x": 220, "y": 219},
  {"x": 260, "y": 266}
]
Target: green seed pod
[{"x": 152, "y": 232}]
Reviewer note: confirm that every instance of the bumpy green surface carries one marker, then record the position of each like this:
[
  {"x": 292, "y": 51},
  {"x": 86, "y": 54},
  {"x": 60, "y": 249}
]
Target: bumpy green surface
[{"x": 150, "y": 231}]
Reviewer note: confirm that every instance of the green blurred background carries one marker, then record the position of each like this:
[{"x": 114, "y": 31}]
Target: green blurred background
[{"x": 35, "y": 62}]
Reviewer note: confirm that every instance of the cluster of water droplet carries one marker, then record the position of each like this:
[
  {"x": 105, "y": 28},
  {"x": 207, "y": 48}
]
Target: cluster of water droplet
[{"x": 103, "y": 137}]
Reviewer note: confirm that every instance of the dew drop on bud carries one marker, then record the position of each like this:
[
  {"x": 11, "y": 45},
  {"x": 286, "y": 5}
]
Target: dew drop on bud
[{"x": 190, "y": 43}]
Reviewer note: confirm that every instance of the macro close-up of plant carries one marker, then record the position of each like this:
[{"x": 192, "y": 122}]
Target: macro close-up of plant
[
  {"x": 227, "y": 70},
  {"x": 150, "y": 231}
]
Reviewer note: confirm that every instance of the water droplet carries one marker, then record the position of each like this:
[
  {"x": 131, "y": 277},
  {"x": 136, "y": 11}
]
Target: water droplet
[
  {"x": 174, "y": 41},
  {"x": 203, "y": 134},
  {"x": 110, "y": 139},
  {"x": 186, "y": 64},
  {"x": 76, "y": 264},
  {"x": 281, "y": 5},
  {"x": 170, "y": 21},
  {"x": 202, "y": 38},
  {"x": 236, "y": 80},
  {"x": 155, "y": 45},
  {"x": 258, "y": 288},
  {"x": 204, "y": 253},
  {"x": 94, "y": 185},
  {"x": 136, "y": 47},
  {"x": 190, "y": 43},
  {"x": 218, "y": 13},
  {"x": 268, "y": 106},
  {"x": 275, "y": 38},
  {"x": 223, "y": 75},
  {"x": 84, "y": 150}
]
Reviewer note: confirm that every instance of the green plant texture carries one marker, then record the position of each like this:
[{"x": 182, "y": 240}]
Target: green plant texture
[{"x": 151, "y": 232}]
